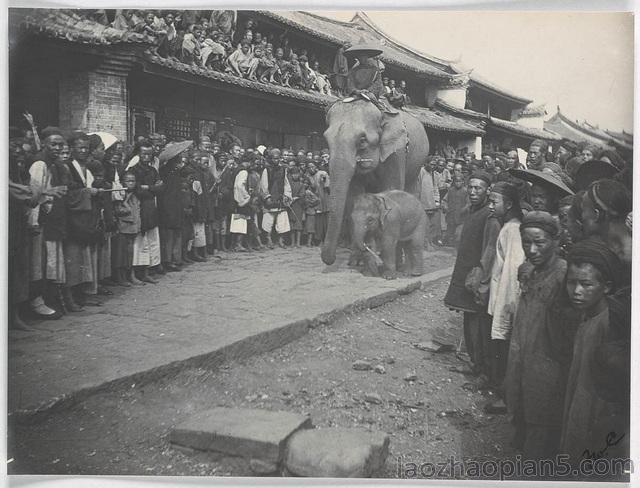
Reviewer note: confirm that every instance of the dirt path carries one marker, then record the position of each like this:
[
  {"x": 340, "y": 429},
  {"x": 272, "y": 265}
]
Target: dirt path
[
  {"x": 188, "y": 315},
  {"x": 430, "y": 419}
]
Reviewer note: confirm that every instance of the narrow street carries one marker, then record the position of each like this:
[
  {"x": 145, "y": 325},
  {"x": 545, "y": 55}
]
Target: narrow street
[{"x": 431, "y": 410}]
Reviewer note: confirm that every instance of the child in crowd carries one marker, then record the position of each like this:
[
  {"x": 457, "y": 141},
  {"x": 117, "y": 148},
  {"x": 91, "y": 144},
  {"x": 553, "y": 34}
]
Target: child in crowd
[
  {"x": 589, "y": 418},
  {"x": 127, "y": 212},
  {"x": 200, "y": 162},
  {"x": 296, "y": 209},
  {"x": 311, "y": 202},
  {"x": 188, "y": 204}
]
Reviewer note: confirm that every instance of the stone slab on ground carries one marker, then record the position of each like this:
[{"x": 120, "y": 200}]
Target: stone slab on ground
[
  {"x": 210, "y": 313},
  {"x": 337, "y": 453},
  {"x": 249, "y": 433}
]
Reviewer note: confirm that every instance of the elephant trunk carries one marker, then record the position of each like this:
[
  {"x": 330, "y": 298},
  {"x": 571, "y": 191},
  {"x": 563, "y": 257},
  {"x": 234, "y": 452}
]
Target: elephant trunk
[
  {"x": 358, "y": 236},
  {"x": 342, "y": 170}
]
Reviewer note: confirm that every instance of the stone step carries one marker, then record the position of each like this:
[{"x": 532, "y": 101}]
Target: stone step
[
  {"x": 336, "y": 453},
  {"x": 253, "y": 434}
]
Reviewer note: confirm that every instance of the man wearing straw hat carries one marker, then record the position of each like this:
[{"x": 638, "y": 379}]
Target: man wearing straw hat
[{"x": 366, "y": 77}]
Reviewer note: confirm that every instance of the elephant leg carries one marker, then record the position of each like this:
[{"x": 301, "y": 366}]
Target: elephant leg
[
  {"x": 417, "y": 247},
  {"x": 355, "y": 188},
  {"x": 389, "y": 245},
  {"x": 408, "y": 264},
  {"x": 400, "y": 256}
]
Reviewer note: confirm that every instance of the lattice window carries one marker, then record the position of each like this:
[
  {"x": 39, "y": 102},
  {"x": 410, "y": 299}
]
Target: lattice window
[{"x": 178, "y": 129}]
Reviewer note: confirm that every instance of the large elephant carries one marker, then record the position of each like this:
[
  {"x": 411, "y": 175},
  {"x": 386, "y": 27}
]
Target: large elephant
[{"x": 371, "y": 151}]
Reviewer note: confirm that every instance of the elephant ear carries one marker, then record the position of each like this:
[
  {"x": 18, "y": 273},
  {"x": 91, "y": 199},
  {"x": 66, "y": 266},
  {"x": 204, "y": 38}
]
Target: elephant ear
[
  {"x": 394, "y": 136},
  {"x": 383, "y": 209}
]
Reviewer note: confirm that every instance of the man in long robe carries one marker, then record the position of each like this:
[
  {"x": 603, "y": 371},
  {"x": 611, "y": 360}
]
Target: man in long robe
[
  {"x": 535, "y": 379},
  {"x": 468, "y": 288},
  {"x": 504, "y": 290},
  {"x": 592, "y": 418},
  {"x": 47, "y": 257}
]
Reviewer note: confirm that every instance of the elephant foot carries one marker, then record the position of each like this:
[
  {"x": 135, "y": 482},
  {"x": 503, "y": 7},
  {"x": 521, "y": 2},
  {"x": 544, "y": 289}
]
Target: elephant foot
[
  {"x": 354, "y": 260},
  {"x": 390, "y": 275},
  {"x": 417, "y": 272}
]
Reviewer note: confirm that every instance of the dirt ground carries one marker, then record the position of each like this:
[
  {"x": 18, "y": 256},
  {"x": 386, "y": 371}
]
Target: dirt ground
[{"x": 436, "y": 415}]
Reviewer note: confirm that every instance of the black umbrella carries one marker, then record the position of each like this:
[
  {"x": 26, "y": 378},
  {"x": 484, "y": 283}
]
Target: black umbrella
[{"x": 592, "y": 171}]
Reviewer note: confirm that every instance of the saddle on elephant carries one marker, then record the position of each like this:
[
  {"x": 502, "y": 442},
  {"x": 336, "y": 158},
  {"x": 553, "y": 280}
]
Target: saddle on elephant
[{"x": 380, "y": 103}]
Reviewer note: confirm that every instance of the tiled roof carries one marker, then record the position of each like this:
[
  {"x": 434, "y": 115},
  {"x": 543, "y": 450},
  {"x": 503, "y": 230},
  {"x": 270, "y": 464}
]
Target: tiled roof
[
  {"x": 464, "y": 112},
  {"x": 623, "y": 136},
  {"x": 443, "y": 121},
  {"x": 339, "y": 33},
  {"x": 589, "y": 130},
  {"x": 394, "y": 52},
  {"x": 65, "y": 24},
  {"x": 523, "y": 131},
  {"x": 485, "y": 84},
  {"x": 313, "y": 97},
  {"x": 532, "y": 110}
]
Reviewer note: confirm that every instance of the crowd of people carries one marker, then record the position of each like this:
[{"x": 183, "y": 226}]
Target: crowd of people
[
  {"x": 542, "y": 273},
  {"x": 87, "y": 212},
  {"x": 211, "y": 39},
  {"x": 543, "y": 280}
]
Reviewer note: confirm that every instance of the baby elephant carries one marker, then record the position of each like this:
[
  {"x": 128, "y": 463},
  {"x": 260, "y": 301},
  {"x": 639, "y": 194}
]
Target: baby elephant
[{"x": 390, "y": 218}]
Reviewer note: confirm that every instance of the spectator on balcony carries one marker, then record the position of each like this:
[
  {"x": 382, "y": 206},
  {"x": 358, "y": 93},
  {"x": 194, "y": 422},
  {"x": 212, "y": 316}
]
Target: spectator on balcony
[
  {"x": 321, "y": 81},
  {"x": 283, "y": 72},
  {"x": 396, "y": 98},
  {"x": 387, "y": 88},
  {"x": 190, "y": 53},
  {"x": 403, "y": 89},
  {"x": 267, "y": 66},
  {"x": 240, "y": 61}
]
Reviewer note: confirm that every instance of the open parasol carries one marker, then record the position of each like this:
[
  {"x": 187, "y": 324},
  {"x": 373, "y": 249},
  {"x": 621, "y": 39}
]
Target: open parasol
[
  {"x": 107, "y": 139},
  {"x": 172, "y": 149},
  {"x": 541, "y": 178}
]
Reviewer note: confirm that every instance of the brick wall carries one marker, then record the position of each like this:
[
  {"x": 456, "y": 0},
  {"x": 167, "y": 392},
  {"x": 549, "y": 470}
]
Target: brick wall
[
  {"x": 108, "y": 104},
  {"x": 94, "y": 101},
  {"x": 73, "y": 100}
]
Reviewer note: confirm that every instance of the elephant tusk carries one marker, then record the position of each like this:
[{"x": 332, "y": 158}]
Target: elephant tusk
[
  {"x": 365, "y": 160},
  {"x": 375, "y": 256}
]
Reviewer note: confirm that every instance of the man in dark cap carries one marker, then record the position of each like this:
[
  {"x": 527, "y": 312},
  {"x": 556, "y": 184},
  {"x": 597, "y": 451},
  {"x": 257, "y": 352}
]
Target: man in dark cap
[
  {"x": 605, "y": 202},
  {"x": 469, "y": 287},
  {"x": 47, "y": 257},
  {"x": 534, "y": 385},
  {"x": 146, "y": 247}
]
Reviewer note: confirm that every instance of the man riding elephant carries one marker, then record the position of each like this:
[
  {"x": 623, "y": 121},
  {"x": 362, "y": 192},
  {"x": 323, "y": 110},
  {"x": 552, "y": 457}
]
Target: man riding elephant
[{"x": 365, "y": 76}]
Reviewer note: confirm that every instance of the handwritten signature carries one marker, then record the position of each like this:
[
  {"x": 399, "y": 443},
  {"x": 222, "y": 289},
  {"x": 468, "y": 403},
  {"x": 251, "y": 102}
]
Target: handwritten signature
[{"x": 611, "y": 440}]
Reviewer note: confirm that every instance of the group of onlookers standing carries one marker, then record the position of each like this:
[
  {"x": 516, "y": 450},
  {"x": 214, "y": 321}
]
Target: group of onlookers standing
[
  {"x": 89, "y": 212},
  {"x": 543, "y": 279}
]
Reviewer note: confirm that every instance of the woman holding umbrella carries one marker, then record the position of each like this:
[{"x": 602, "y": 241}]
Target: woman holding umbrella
[{"x": 170, "y": 207}]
